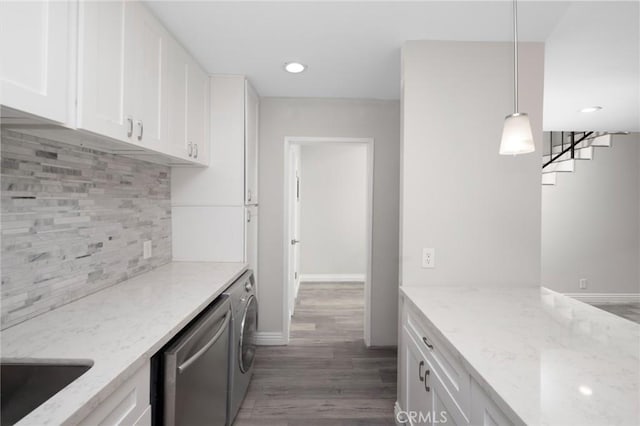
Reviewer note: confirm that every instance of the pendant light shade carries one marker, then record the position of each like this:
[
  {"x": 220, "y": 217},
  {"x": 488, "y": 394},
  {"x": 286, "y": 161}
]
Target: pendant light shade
[{"x": 517, "y": 137}]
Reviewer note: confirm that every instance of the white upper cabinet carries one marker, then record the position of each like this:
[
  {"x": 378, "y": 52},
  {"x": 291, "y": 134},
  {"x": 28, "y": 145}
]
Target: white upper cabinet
[
  {"x": 36, "y": 57},
  {"x": 252, "y": 107},
  {"x": 102, "y": 44},
  {"x": 198, "y": 112},
  {"x": 130, "y": 80},
  {"x": 121, "y": 69},
  {"x": 145, "y": 76},
  {"x": 188, "y": 107}
]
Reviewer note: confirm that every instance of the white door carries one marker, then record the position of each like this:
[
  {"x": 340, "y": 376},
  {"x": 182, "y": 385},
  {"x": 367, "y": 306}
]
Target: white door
[
  {"x": 252, "y": 105},
  {"x": 102, "y": 44},
  {"x": 294, "y": 225},
  {"x": 147, "y": 61},
  {"x": 37, "y": 57}
]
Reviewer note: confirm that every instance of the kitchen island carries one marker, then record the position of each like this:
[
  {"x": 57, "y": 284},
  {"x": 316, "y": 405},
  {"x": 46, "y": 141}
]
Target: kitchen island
[{"x": 523, "y": 355}]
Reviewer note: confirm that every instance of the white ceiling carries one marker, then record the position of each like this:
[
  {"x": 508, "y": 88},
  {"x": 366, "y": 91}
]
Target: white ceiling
[{"x": 353, "y": 48}]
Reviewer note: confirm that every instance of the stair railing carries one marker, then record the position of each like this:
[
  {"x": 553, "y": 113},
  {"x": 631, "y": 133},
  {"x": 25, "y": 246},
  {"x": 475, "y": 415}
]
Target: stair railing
[{"x": 571, "y": 148}]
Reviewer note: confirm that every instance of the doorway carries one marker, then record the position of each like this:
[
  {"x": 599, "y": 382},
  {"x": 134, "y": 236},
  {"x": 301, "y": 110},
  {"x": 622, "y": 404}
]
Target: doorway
[{"x": 292, "y": 240}]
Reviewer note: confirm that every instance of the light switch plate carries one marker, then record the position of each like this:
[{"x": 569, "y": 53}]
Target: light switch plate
[
  {"x": 146, "y": 249},
  {"x": 428, "y": 258}
]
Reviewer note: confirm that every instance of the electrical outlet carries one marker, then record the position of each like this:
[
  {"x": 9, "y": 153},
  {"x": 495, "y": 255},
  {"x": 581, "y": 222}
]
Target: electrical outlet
[
  {"x": 428, "y": 258},
  {"x": 146, "y": 249},
  {"x": 583, "y": 283}
]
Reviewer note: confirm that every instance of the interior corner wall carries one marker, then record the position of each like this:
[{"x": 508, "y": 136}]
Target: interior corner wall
[
  {"x": 591, "y": 222},
  {"x": 333, "y": 210},
  {"x": 480, "y": 211},
  {"x": 380, "y": 120}
]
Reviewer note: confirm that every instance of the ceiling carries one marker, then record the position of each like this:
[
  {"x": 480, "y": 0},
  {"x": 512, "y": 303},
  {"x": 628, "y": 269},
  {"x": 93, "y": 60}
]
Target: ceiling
[{"x": 352, "y": 48}]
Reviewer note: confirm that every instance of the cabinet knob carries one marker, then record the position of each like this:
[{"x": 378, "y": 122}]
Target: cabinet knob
[{"x": 140, "y": 129}]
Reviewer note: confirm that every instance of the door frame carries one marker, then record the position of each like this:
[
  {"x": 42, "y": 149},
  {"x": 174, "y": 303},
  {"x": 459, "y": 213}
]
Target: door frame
[{"x": 289, "y": 141}]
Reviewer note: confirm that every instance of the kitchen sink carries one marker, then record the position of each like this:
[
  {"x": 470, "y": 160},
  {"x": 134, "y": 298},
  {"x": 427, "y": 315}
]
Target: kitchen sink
[{"x": 27, "y": 384}]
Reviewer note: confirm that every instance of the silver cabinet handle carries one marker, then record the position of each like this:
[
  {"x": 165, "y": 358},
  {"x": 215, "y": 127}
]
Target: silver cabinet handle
[
  {"x": 206, "y": 347},
  {"x": 294, "y": 242},
  {"x": 248, "y": 195},
  {"x": 195, "y": 155},
  {"x": 248, "y": 215},
  {"x": 130, "y": 127},
  {"x": 190, "y": 149},
  {"x": 426, "y": 387},
  {"x": 426, "y": 342},
  {"x": 140, "y": 129}
]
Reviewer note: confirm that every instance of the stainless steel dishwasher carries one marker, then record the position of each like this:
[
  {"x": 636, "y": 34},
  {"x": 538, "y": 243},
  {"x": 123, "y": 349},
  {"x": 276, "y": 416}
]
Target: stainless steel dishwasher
[{"x": 196, "y": 370}]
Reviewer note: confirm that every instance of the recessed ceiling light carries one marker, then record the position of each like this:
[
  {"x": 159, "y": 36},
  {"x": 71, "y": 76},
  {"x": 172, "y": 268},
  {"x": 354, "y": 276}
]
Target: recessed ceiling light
[
  {"x": 585, "y": 390},
  {"x": 294, "y": 67},
  {"x": 591, "y": 108}
]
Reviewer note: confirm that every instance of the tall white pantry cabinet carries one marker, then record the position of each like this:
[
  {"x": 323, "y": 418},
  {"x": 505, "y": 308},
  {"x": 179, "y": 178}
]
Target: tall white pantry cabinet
[{"x": 215, "y": 210}]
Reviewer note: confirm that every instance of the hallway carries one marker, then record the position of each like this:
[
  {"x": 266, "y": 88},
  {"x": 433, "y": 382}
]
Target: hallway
[{"x": 326, "y": 376}]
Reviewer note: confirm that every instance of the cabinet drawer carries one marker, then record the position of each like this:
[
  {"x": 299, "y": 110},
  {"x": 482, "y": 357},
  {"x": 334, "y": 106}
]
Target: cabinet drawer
[
  {"x": 450, "y": 370},
  {"x": 126, "y": 405}
]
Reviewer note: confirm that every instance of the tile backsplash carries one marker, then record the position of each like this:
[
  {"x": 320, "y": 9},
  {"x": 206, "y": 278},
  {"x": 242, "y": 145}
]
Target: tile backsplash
[{"x": 74, "y": 221}]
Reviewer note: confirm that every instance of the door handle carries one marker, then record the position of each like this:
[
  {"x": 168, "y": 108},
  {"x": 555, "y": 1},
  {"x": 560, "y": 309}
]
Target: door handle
[
  {"x": 206, "y": 347},
  {"x": 420, "y": 371},
  {"x": 426, "y": 374},
  {"x": 294, "y": 242}
]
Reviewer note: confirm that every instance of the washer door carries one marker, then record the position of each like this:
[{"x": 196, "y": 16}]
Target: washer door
[{"x": 247, "y": 342}]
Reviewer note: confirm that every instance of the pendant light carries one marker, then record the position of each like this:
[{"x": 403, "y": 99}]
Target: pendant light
[{"x": 517, "y": 137}]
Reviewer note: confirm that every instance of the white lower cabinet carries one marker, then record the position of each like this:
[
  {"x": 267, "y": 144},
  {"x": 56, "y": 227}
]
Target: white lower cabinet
[
  {"x": 127, "y": 405},
  {"x": 433, "y": 386}
]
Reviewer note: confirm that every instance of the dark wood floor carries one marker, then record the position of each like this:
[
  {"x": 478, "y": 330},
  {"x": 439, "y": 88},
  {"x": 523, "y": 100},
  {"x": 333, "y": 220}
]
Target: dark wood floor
[
  {"x": 326, "y": 376},
  {"x": 630, "y": 311}
]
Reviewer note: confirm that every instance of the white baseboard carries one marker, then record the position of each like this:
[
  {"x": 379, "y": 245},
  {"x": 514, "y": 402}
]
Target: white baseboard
[
  {"x": 605, "y": 297},
  {"x": 270, "y": 338},
  {"x": 332, "y": 278}
]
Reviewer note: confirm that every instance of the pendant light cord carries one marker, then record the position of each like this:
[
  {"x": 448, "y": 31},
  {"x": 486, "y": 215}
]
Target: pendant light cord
[{"x": 515, "y": 56}]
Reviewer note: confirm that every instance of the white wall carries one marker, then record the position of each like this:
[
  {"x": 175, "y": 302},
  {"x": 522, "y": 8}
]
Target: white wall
[
  {"x": 591, "y": 223},
  {"x": 479, "y": 210},
  {"x": 281, "y": 117},
  {"x": 333, "y": 197}
]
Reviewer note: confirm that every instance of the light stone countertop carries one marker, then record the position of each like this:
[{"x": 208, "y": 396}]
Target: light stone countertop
[
  {"x": 118, "y": 328},
  {"x": 551, "y": 359}
]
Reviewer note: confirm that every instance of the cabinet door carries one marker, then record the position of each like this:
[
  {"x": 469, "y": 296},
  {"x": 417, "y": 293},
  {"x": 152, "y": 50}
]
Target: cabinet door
[
  {"x": 36, "y": 50},
  {"x": 252, "y": 106},
  {"x": 177, "y": 77},
  {"x": 445, "y": 409},
  {"x": 102, "y": 43},
  {"x": 418, "y": 400},
  {"x": 145, "y": 77},
  {"x": 198, "y": 112}
]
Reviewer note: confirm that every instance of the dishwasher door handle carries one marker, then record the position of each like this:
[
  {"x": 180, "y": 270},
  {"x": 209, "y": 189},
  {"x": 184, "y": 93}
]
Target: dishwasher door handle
[{"x": 205, "y": 348}]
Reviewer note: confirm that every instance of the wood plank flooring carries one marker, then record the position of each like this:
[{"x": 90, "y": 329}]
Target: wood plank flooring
[
  {"x": 326, "y": 376},
  {"x": 630, "y": 311}
]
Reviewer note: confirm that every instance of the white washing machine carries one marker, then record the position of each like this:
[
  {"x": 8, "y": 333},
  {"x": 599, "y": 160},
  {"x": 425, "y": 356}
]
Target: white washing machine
[{"x": 244, "y": 324}]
